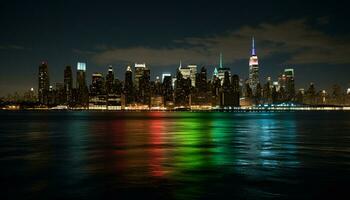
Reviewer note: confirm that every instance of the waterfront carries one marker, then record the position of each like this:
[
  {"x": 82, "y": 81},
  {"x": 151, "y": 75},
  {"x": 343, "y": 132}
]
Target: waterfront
[{"x": 174, "y": 155}]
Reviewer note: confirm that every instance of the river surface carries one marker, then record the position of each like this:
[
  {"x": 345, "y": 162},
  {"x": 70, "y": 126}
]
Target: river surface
[{"x": 174, "y": 155}]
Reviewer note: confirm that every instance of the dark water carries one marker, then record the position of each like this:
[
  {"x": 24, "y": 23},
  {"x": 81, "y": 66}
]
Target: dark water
[{"x": 85, "y": 155}]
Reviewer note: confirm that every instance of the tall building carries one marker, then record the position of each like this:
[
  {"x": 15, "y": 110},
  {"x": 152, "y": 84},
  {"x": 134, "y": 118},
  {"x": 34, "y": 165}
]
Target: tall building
[
  {"x": 165, "y": 75},
  {"x": 236, "y": 90},
  {"x": 185, "y": 71},
  {"x": 68, "y": 83},
  {"x": 253, "y": 69},
  {"x": 81, "y": 73},
  {"x": 201, "y": 95},
  {"x": 182, "y": 91},
  {"x": 167, "y": 88},
  {"x": 82, "y": 96},
  {"x": 110, "y": 80},
  {"x": 215, "y": 73},
  {"x": 289, "y": 84},
  {"x": 222, "y": 70},
  {"x": 128, "y": 86},
  {"x": 139, "y": 68},
  {"x": 201, "y": 80},
  {"x": 144, "y": 92},
  {"x": 97, "y": 84},
  {"x": 227, "y": 92},
  {"x": 44, "y": 83},
  {"x": 193, "y": 72},
  {"x": 97, "y": 97}
]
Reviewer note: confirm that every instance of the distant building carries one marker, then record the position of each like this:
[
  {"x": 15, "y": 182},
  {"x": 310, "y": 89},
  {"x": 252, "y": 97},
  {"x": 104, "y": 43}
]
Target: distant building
[
  {"x": 185, "y": 71},
  {"x": 222, "y": 70},
  {"x": 182, "y": 91},
  {"x": 81, "y": 84},
  {"x": 68, "y": 84},
  {"x": 128, "y": 87},
  {"x": 59, "y": 97},
  {"x": 289, "y": 84},
  {"x": 167, "y": 88},
  {"x": 193, "y": 72},
  {"x": 253, "y": 80},
  {"x": 236, "y": 90},
  {"x": 227, "y": 92},
  {"x": 44, "y": 83},
  {"x": 110, "y": 81},
  {"x": 97, "y": 84},
  {"x": 165, "y": 75},
  {"x": 144, "y": 92},
  {"x": 139, "y": 68},
  {"x": 201, "y": 97}
]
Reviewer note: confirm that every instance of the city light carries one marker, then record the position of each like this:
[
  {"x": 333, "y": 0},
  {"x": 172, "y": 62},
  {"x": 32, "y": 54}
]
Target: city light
[{"x": 189, "y": 89}]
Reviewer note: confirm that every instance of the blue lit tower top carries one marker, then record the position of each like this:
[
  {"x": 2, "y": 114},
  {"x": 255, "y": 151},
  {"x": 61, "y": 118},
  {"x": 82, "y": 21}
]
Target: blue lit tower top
[
  {"x": 81, "y": 66},
  {"x": 253, "y": 47}
]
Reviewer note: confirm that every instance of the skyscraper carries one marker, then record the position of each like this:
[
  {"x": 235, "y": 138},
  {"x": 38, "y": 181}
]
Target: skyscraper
[
  {"x": 185, "y": 71},
  {"x": 128, "y": 86},
  {"x": 44, "y": 83},
  {"x": 253, "y": 69},
  {"x": 167, "y": 89},
  {"x": 139, "y": 68},
  {"x": 68, "y": 83},
  {"x": 110, "y": 80},
  {"x": 182, "y": 91},
  {"x": 236, "y": 90},
  {"x": 81, "y": 73},
  {"x": 144, "y": 88},
  {"x": 289, "y": 84},
  {"x": 97, "y": 84},
  {"x": 227, "y": 92},
  {"x": 222, "y": 70},
  {"x": 82, "y": 96},
  {"x": 200, "y": 95},
  {"x": 193, "y": 72}
]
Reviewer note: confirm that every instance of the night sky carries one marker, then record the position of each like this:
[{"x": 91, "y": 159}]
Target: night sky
[{"x": 311, "y": 37}]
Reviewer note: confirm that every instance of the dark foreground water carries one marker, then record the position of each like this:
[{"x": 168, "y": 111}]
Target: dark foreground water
[{"x": 86, "y": 155}]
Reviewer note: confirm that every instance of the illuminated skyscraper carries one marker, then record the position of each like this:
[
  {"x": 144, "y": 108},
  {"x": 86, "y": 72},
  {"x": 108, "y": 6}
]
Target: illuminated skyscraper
[
  {"x": 82, "y": 96},
  {"x": 97, "y": 97},
  {"x": 144, "y": 93},
  {"x": 44, "y": 83},
  {"x": 253, "y": 80},
  {"x": 97, "y": 84},
  {"x": 81, "y": 73},
  {"x": 165, "y": 75},
  {"x": 215, "y": 73},
  {"x": 185, "y": 71},
  {"x": 193, "y": 72},
  {"x": 182, "y": 91},
  {"x": 289, "y": 84},
  {"x": 110, "y": 80},
  {"x": 139, "y": 68},
  {"x": 128, "y": 86},
  {"x": 222, "y": 70}
]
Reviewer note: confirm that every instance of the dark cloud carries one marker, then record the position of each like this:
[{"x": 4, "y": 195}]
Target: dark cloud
[
  {"x": 12, "y": 47},
  {"x": 304, "y": 44}
]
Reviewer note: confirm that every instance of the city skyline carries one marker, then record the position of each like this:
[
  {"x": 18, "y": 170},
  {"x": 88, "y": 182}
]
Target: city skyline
[{"x": 314, "y": 43}]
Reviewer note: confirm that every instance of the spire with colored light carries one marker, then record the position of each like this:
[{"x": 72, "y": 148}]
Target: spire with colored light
[
  {"x": 215, "y": 73},
  {"x": 253, "y": 47},
  {"x": 220, "y": 66}
]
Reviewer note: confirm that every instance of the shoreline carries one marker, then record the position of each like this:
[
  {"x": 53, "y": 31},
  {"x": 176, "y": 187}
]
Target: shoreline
[{"x": 240, "y": 109}]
